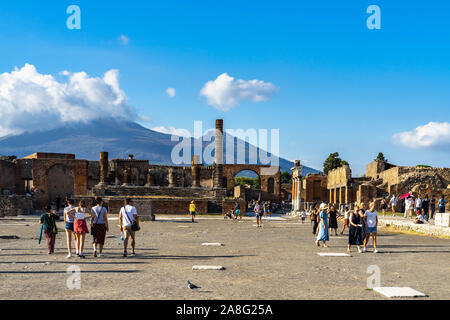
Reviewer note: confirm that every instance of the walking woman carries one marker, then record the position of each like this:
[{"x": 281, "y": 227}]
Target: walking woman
[
  {"x": 68, "y": 222},
  {"x": 333, "y": 220},
  {"x": 355, "y": 231},
  {"x": 323, "y": 227},
  {"x": 314, "y": 219},
  {"x": 259, "y": 211},
  {"x": 346, "y": 220},
  {"x": 371, "y": 223},
  {"x": 80, "y": 227},
  {"x": 99, "y": 226},
  {"x": 48, "y": 222}
]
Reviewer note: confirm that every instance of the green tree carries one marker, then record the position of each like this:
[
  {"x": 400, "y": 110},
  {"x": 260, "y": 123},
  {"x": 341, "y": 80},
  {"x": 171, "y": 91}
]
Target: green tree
[
  {"x": 243, "y": 181},
  {"x": 381, "y": 157},
  {"x": 286, "y": 177},
  {"x": 333, "y": 162}
]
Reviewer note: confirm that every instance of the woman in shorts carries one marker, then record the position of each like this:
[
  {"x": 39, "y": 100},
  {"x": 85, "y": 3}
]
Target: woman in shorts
[
  {"x": 259, "y": 211},
  {"x": 192, "y": 210},
  {"x": 371, "y": 222},
  {"x": 68, "y": 222},
  {"x": 346, "y": 220}
]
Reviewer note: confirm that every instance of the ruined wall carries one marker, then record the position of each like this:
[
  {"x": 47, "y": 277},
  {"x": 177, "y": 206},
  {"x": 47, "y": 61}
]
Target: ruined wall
[
  {"x": 15, "y": 205},
  {"x": 315, "y": 188},
  {"x": 93, "y": 174},
  {"x": 67, "y": 170},
  {"x": 339, "y": 177},
  {"x": 10, "y": 179}
]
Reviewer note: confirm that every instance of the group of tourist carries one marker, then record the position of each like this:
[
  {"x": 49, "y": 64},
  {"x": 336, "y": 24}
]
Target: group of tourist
[
  {"x": 76, "y": 226},
  {"x": 423, "y": 209},
  {"x": 361, "y": 222}
]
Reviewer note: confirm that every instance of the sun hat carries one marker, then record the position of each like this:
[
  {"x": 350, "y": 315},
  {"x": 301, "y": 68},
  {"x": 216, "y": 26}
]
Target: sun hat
[{"x": 323, "y": 206}]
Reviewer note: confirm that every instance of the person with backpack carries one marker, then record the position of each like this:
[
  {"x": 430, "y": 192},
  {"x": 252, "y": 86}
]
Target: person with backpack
[
  {"x": 48, "y": 227},
  {"x": 99, "y": 226},
  {"x": 129, "y": 224},
  {"x": 314, "y": 216}
]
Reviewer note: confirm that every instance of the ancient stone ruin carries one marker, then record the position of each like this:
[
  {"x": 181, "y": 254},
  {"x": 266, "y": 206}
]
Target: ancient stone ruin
[{"x": 52, "y": 178}]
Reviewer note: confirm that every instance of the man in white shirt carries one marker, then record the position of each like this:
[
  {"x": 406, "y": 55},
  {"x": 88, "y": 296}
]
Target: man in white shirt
[
  {"x": 418, "y": 204},
  {"x": 127, "y": 216},
  {"x": 371, "y": 221}
]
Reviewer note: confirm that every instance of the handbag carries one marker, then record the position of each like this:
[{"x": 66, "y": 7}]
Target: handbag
[
  {"x": 55, "y": 229},
  {"x": 134, "y": 224},
  {"x": 93, "y": 224}
]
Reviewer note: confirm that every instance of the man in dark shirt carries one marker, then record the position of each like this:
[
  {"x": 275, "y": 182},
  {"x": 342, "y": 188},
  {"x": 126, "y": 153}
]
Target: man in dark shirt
[{"x": 425, "y": 207}]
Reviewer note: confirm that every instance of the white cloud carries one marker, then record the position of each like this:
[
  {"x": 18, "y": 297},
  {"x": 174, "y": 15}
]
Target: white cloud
[
  {"x": 173, "y": 131},
  {"x": 171, "y": 92},
  {"x": 31, "y": 101},
  {"x": 225, "y": 92},
  {"x": 433, "y": 134},
  {"x": 123, "y": 39},
  {"x": 145, "y": 118}
]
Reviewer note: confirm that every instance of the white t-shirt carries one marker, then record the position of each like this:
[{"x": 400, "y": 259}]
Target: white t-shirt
[
  {"x": 371, "y": 218},
  {"x": 80, "y": 215},
  {"x": 409, "y": 204},
  {"x": 345, "y": 214},
  {"x": 418, "y": 203},
  {"x": 128, "y": 212},
  {"x": 69, "y": 219},
  {"x": 394, "y": 201}
]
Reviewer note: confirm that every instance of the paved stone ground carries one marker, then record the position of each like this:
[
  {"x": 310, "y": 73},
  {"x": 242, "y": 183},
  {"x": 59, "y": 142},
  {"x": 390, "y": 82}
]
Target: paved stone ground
[{"x": 278, "y": 261}]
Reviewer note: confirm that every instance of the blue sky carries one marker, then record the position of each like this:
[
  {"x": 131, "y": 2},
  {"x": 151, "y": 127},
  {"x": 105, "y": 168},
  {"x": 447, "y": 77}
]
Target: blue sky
[{"x": 341, "y": 87}]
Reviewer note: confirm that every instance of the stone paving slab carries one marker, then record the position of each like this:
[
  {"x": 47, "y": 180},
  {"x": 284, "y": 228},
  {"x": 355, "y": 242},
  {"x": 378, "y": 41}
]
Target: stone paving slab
[
  {"x": 208, "y": 268},
  {"x": 212, "y": 244},
  {"x": 399, "y": 292},
  {"x": 330, "y": 254}
]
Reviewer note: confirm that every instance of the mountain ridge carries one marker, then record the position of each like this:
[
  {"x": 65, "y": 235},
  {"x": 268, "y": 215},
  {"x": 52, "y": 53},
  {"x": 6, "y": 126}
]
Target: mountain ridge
[{"x": 86, "y": 140}]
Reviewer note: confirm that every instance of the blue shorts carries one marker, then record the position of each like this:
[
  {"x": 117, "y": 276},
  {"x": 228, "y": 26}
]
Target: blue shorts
[
  {"x": 372, "y": 229},
  {"x": 69, "y": 226},
  {"x": 191, "y": 212},
  {"x": 237, "y": 211}
]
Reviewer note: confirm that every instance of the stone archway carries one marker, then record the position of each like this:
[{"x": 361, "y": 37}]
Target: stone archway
[{"x": 268, "y": 181}]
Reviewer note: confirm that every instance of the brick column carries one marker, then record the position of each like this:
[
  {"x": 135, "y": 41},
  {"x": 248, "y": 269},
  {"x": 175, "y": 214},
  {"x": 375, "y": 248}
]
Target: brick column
[
  {"x": 195, "y": 171},
  {"x": 218, "y": 154},
  {"x": 104, "y": 168}
]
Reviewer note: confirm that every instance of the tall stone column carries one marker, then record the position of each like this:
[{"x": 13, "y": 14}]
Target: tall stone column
[
  {"x": 150, "y": 179},
  {"x": 297, "y": 179},
  {"x": 104, "y": 168},
  {"x": 195, "y": 171},
  {"x": 126, "y": 177},
  {"x": 171, "y": 178},
  {"x": 218, "y": 154}
]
